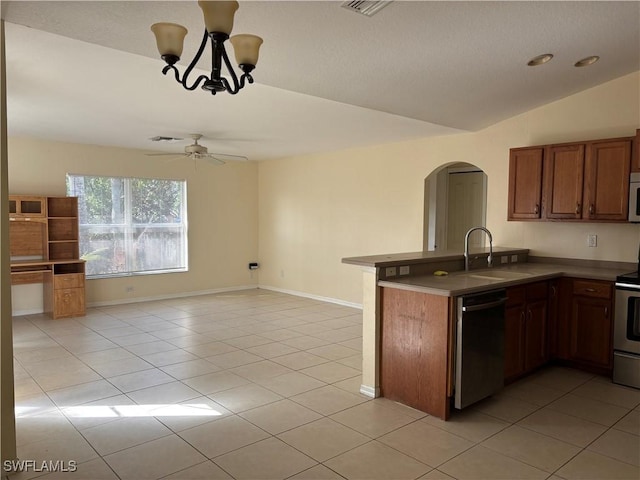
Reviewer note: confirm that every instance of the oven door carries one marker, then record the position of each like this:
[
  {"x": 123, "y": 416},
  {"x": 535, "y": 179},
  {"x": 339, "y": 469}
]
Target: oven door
[{"x": 626, "y": 332}]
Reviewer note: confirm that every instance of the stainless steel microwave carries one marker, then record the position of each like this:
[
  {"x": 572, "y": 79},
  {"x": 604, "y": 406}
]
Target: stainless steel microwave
[{"x": 634, "y": 198}]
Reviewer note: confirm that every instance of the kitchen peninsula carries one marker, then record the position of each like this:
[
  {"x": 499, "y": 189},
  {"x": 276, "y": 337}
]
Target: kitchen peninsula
[{"x": 409, "y": 318}]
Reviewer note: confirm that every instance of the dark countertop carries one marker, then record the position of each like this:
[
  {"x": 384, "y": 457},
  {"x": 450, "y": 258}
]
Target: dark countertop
[{"x": 461, "y": 283}]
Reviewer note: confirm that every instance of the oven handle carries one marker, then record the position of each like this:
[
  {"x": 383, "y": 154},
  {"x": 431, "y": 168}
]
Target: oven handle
[
  {"x": 485, "y": 306},
  {"x": 628, "y": 286}
]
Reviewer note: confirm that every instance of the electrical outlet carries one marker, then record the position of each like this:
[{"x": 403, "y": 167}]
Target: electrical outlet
[
  {"x": 405, "y": 270},
  {"x": 592, "y": 240},
  {"x": 128, "y": 289},
  {"x": 390, "y": 272},
  {"x": 514, "y": 258},
  {"x": 504, "y": 259}
]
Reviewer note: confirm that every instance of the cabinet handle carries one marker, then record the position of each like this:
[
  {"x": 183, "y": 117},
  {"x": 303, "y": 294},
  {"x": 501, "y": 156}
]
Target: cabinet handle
[
  {"x": 578, "y": 207},
  {"x": 606, "y": 312},
  {"x": 592, "y": 209},
  {"x": 536, "y": 210},
  {"x": 590, "y": 290},
  {"x": 522, "y": 316},
  {"x": 553, "y": 291}
]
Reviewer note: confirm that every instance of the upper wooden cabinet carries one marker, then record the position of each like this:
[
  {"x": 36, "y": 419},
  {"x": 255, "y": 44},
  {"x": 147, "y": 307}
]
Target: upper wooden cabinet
[
  {"x": 635, "y": 157},
  {"x": 26, "y": 207},
  {"x": 525, "y": 183},
  {"x": 585, "y": 181},
  {"x": 564, "y": 167}
]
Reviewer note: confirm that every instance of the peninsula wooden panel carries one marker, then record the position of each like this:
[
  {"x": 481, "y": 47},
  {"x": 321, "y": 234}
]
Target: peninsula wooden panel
[{"x": 415, "y": 342}]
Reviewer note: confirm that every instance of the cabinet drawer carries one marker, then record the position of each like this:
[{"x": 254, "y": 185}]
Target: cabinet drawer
[
  {"x": 69, "y": 280},
  {"x": 592, "y": 288}
]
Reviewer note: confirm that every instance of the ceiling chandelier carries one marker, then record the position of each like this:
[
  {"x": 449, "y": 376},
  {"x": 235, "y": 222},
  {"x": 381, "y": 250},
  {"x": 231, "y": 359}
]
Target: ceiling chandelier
[{"x": 218, "y": 20}]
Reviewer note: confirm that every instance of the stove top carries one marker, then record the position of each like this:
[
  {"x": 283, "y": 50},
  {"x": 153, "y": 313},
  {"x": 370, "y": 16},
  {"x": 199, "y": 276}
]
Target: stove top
[{"x": 632, "y": 278}]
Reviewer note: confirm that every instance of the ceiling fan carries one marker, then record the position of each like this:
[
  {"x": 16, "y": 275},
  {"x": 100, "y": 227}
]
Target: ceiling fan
[{"x": 195, "y": 151}]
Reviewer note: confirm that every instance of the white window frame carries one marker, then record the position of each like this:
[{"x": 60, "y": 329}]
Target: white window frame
[{"x": 129, "y": 227}]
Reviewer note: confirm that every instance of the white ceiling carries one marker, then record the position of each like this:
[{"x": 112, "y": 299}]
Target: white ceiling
[{"x": 327, "y": 79}]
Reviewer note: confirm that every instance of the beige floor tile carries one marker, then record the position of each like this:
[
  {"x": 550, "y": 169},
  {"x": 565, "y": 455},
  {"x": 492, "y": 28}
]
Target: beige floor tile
[
  {"x": 319, "y": 472},
  {"x": 261, "y": 370},
  {"x": 402, "y": 408},
  {"x": 203, "y": 471},
  {"x": 139, "y": 380},
  {"x": 215, "y": 382},
  {"x": 173, "y": 392},
  {"x": 629, "y": 423},
  {"x": 588, "y": 409},
  {"x": 374, "y": 460},
  {"x": 270, "y": 350},
  {"x": 609, "y": 393},
  {"x": 532, "y": 392},
  {"x": 222, "y": 436},
  {"x": 105, "y": 356},
  {"x": 248, "y": 341},
  {"x": 97, "y": 412},
  {"x": 480, "y": 463},
  {"x": 323, "y": 439},
  {"x": 355, "y": 343},
  {"x": 234, "y": 359},
  {"x": 197, "y": 411},
  {"x": 592, "y": 466},
  {"x": 351, "y": 385},
  {"x": 561, "y": 378},
  {"x": 121, "y": 367},
  {"x": 306, "y": 342},
  {"x": 154, "y": 459},
  {"x": 436, "y": 475},
  {"x": 267, "y": 459},
  {"x": 246, "y": 397},
  {"x": 354, "y": 361},
  {"x": 70, "y": 378},
  {"x": 504, "y": 407},
  {"x": 426, "y": 443},
  {"x": 281, "y": 334},
  {"x": 330, "y": 372},
  {"x": 280, "y": 416},
  {"x": 299, "y": 360},
  {"x": 334, "y": 352},
  {"x": 95, "y": 469},
  {"x": 469, "y": 424},
  {"x": 84, "y": 393},
  {"x": 40, "y": 427},
  {"x": 147, "y": 347},
  {"x": 373, "y": 418},
  {"x": 26, "y": 386},
  {"x": 67, "y": 445},
  {"x": 328, "y": 400},
  {"x": 561, "y": 426},
  {"x": 171, "y": 357},
  {"x": 190, "y": 369},
  {"x": 291, "y": 384},
  {"x": 210, "y": 349},
  {"x": 620, "y": 445},
  {"x": 124, "y": 433},
  {"x": 535, "y": 449}
]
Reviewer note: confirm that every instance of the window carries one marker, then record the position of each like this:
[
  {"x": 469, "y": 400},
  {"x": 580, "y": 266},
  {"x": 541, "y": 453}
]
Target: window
[{"x": 131, "y": 225}]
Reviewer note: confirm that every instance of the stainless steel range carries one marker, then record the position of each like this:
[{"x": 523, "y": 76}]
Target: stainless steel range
[{"x": 626, "y": 332}]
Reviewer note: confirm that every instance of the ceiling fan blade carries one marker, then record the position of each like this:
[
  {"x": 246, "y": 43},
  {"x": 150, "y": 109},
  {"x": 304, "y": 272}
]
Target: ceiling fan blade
[
  {"x": 164, "y": 154},
  {"x": 227, "y": 157}
]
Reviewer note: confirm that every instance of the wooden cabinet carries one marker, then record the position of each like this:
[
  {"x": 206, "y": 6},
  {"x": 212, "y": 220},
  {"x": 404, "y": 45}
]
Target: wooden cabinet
[
  {"x": 525, "y": 183},
  {"x": 635, "y": 155},
  {"x": 44, "y": 248},
  {"x": 606, "y": 182},
  {"x": 26, "y": 206},
  {"x": 585, "y": 181},
  {"x": 526, "y": 346},
  {"x": 416, "y": 358},
  {"x": 586, "y": 323}
]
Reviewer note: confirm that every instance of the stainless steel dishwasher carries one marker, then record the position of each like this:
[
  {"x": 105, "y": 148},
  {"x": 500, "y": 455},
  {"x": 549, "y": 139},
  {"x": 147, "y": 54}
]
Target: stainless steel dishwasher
[{"x": 479, "y": 346}]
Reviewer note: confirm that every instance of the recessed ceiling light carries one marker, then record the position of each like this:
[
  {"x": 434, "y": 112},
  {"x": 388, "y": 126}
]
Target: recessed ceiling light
[
  {"x": 585, "y": 62},
  {"x": 540, "y": 59}
]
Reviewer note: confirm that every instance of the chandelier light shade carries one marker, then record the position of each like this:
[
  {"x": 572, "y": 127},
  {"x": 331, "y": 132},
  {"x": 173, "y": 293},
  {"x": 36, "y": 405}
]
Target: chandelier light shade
[{"x": 218, "y": 20}]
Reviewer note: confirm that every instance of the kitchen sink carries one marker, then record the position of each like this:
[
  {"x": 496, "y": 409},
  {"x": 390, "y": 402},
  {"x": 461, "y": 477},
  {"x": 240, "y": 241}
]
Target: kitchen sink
[{"x": 499, "y": 275}]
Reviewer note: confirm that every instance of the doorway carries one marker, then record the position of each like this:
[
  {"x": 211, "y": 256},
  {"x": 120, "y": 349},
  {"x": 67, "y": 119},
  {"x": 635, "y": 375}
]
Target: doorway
[{"x": 455, "y": 201}]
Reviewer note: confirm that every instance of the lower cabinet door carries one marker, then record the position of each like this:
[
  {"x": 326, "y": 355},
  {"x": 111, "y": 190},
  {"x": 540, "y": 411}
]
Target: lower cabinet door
[
  {"x": 513, "y": 342},
  {"x": 536, "y": 352},
  {"x": 68, "y": 302},
  {"x": 591, "y": 331}
]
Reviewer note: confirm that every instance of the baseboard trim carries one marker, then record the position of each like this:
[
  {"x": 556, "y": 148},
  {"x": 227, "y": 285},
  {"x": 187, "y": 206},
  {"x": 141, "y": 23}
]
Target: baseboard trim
[
  {"x": 298, "y": 293},
  {"x": 122, "y": 301},
  {"x": 20, "y": 313},
  {"x": 373, "y": 392}
]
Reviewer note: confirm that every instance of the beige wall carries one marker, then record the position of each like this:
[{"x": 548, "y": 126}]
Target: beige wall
[
  {"x": 222, "y": 214},
  {"x": 317, "y": 209}
]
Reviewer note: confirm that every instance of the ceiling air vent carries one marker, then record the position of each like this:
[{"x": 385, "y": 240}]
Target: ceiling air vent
[{"x": 366, "y": 7}]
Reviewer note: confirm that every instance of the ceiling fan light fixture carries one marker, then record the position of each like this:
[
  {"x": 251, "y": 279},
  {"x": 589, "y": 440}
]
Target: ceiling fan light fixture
[
  {"x": 585, "y": 62},
  {"x": 218, "y": 20},
  {"x": 540, "y": 59}
]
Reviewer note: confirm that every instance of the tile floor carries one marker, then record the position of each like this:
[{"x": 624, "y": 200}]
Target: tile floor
[{"x": 260, "y": 385}]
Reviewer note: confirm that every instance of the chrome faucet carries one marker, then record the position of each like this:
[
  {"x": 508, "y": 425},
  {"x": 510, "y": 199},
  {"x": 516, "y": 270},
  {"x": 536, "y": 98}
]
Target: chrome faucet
[{"x": 467, "y": 261}]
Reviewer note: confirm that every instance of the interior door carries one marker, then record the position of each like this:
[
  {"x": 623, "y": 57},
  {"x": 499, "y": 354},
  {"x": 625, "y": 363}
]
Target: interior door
[{"x": 465, "y": 209}]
